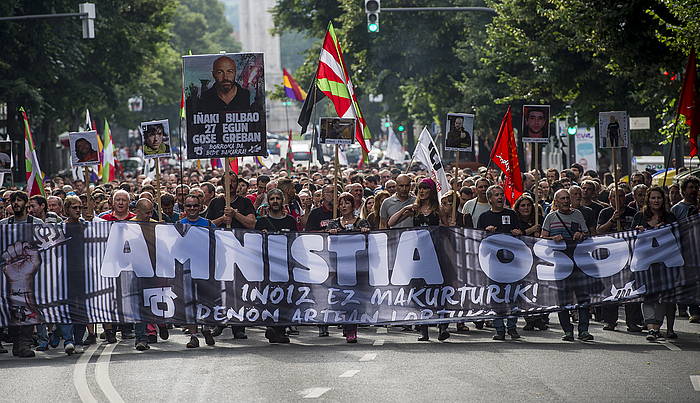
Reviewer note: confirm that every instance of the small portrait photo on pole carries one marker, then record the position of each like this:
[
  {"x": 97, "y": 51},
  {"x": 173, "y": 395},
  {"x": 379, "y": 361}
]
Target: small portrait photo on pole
[
  {"x": 83, "y": 148},
  {"x": 460, "y": 132},
  {"x": 156, "y": 138},
  {"x": 614, "y": 129},
  {"x": 535, "y": 124},
  {"x": 337, "y": 131},
  {"x": 5, "y": 156}
]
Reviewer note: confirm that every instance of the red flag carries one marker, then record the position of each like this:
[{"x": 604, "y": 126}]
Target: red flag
[
  {"x": 690, "y": 101},
  {"x": 505, "y": 156},
  {"x": 233, "y": 163}
]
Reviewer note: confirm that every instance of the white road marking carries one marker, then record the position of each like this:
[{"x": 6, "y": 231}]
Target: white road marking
[
  {"x": 368, "y": 357},
  {"x": 382, "y": 330},
  {"x": 349, "y": 373},
  {"x": 695, "y": 380},
  {"x": 315, "y": 392},
  {"x": 669, "y": 345},
  {"x": 102, "y": 375},
  {"x": 80, "y": 376},
  {"x": 378, "y": 343}
]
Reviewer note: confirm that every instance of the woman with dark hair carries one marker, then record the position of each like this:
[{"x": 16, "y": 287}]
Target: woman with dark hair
[
  {"x": 373, "y": 216},
  {"x": 425, "y": 212},
  {"x": 655, "y": 214},
  {"x": 524, "y": 207},
  {"x": 347, "y": 222}
]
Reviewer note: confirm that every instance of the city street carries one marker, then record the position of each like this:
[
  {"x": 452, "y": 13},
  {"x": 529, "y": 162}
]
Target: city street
[{"x": 384, "y": 366}]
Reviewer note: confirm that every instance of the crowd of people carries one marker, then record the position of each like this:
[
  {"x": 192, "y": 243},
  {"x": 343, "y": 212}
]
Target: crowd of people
[{"x": 567, "y": 205}]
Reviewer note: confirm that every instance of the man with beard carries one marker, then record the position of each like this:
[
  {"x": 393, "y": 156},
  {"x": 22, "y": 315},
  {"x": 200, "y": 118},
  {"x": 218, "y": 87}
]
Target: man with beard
[
  {"x": 458, "y": 136},
  {"x": 276, "y": 220},
  {"x": 226, "y": 94},
  {"x": 15, "y": 255},
  {"x": 153, "y": 141},
  {"x": 320, "y": 216}
]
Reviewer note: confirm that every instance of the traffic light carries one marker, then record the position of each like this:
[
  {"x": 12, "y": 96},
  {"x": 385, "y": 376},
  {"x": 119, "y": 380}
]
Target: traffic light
[
  {"x": 372, "y": 8},
  {"x": 88, "y": 16},
  {"x": 401, "y": 128},
  {"x": 572, "y": 126}
]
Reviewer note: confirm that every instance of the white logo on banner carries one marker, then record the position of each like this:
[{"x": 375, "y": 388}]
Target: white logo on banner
[{"x": 160, "y": 300}]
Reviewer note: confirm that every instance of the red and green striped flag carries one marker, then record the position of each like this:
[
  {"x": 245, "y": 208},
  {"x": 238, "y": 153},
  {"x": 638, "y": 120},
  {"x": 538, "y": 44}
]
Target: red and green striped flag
[
  {"x": 35, "y": 179},
  {"x": 333, "y": 81}
]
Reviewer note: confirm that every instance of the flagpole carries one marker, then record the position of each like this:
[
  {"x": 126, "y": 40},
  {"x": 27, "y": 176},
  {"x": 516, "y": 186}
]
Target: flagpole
[
  {"x": 335, "y": 184},
  {"x": 670, "y": 151},
  {"x": 227, "y": 185},
  {"x": 90, "y": 205},
  {"x": 182, "y": 171},
  {"x": 454, "y": 192},
  {"x": 617, "y": 207},
  {"x": 537, "y": 167},
  {"x": 313, "y": 123},
  {"x": 158, "y": 194}
]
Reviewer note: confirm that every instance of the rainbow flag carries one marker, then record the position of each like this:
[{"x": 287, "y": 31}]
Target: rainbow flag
[
  {"x": 35, "y": 179},
  {"x": 291, "y": 88}
]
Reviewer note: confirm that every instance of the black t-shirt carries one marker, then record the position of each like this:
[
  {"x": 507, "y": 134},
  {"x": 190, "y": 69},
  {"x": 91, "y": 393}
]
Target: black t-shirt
[
  {"x": 422, "y": 220},
  {"x": 588, "y": 215},
  {"x": 210, "y": 101},
  {"x": 626, "y": 219},
  {"x": 318, "y": 219},
  {"x": 286, "y": 223},
  {"x": 216, "y": 209},
  {"x": 504, "y": 221}
]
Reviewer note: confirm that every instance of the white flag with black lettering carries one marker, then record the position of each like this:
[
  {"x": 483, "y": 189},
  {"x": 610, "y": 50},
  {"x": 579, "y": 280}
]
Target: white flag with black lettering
[{"x": 427, "y": 154}]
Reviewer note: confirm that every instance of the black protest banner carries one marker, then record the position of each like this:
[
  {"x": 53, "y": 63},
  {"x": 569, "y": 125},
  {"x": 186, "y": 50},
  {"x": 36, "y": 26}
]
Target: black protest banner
[
  {"x": 225, "y": 105},
  {"x": 132, "y": 272}
]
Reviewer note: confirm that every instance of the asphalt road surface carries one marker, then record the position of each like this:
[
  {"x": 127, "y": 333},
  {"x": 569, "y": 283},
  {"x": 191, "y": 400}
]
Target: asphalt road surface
[{"x": 387, "y": 364}]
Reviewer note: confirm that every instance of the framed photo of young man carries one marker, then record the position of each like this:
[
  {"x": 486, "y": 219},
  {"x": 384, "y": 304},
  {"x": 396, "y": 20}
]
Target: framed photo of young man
[
  {"x": 156, "y": 138},
  {"x": 83, "y": 148},
  {"x": 536, "y": 123},
  {"x": 614, "y": 129},
  {"x": 460, "y": 132},
  {"x": 5, "y": 156},
  {"x": 337, "y": 130}
]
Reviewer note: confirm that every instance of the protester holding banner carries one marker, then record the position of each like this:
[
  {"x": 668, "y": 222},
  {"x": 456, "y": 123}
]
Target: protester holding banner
[
  {"x": 689, "y": 187},
  {"x": 477, "y": 206},
  {"x": 499, "y": 219},
  {"x": 562, "y": 224}
]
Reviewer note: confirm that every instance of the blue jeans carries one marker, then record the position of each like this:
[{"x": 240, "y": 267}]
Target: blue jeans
[
  {"x": 67, "y": 333},
  {"x": 565, "y": 321},
  {"x": 510, "y": 323},
  {"x": 42, "y": 334},
  {"x": 140, "y": 330}
]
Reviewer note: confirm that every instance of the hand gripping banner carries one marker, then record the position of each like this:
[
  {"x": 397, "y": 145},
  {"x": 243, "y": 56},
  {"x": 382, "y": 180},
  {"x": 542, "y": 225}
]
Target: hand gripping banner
[{"x": 143, "y": 272}]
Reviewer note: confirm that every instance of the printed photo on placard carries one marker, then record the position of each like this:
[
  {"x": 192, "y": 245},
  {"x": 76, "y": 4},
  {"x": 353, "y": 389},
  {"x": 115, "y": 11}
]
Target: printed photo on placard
[
  {"x": 156, "y": 138},
  {"x": 225, "y": 105},
  {"x": 83, "y": 148},
  {"x": 337, "y": 131},
  {"x": 535, "y": 124},
  {"x": 614, "y": 129},
  {"x": 460, "y": 132},
  {"x": 5, "y": 156}
]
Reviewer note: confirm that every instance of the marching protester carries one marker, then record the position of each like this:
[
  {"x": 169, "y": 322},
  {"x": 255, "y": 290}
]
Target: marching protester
[
  {"x": 501, "y": 220},
  {"x": 653, "y": 215},
  {"x": 684, "y": 208},
  {"x": 393, "y": 204},
  {"x": 564, "y": 223},
  {"x": 348, "y": 221}
]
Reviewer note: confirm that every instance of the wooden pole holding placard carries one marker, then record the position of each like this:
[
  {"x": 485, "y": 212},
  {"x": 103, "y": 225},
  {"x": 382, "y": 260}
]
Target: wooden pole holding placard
[
  {"x": 335, "y": 184},
  {"x": 537, "y": 167},
  {"x": 227, "y": 185},
  {"x": 158, "y": 193},
  {"x": 614, "y": 164},
  {"x": 90, "y": 205},
  {"x": 454, "y": 192}
]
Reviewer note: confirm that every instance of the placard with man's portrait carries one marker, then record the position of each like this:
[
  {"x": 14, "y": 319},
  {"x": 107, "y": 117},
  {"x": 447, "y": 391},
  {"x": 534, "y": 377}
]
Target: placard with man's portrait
[
  {"x": 5, "y": 156},
  {"x": 460, "y": 132},
  {"x": 83, "y": 148},
  {"x": 535, "y": 123},
  {"x": 614, "y": 129},
  {"x": 337, "y": 130},
  {"x": 225, "y": 105},
  {"x": 156, "y": 138}
]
